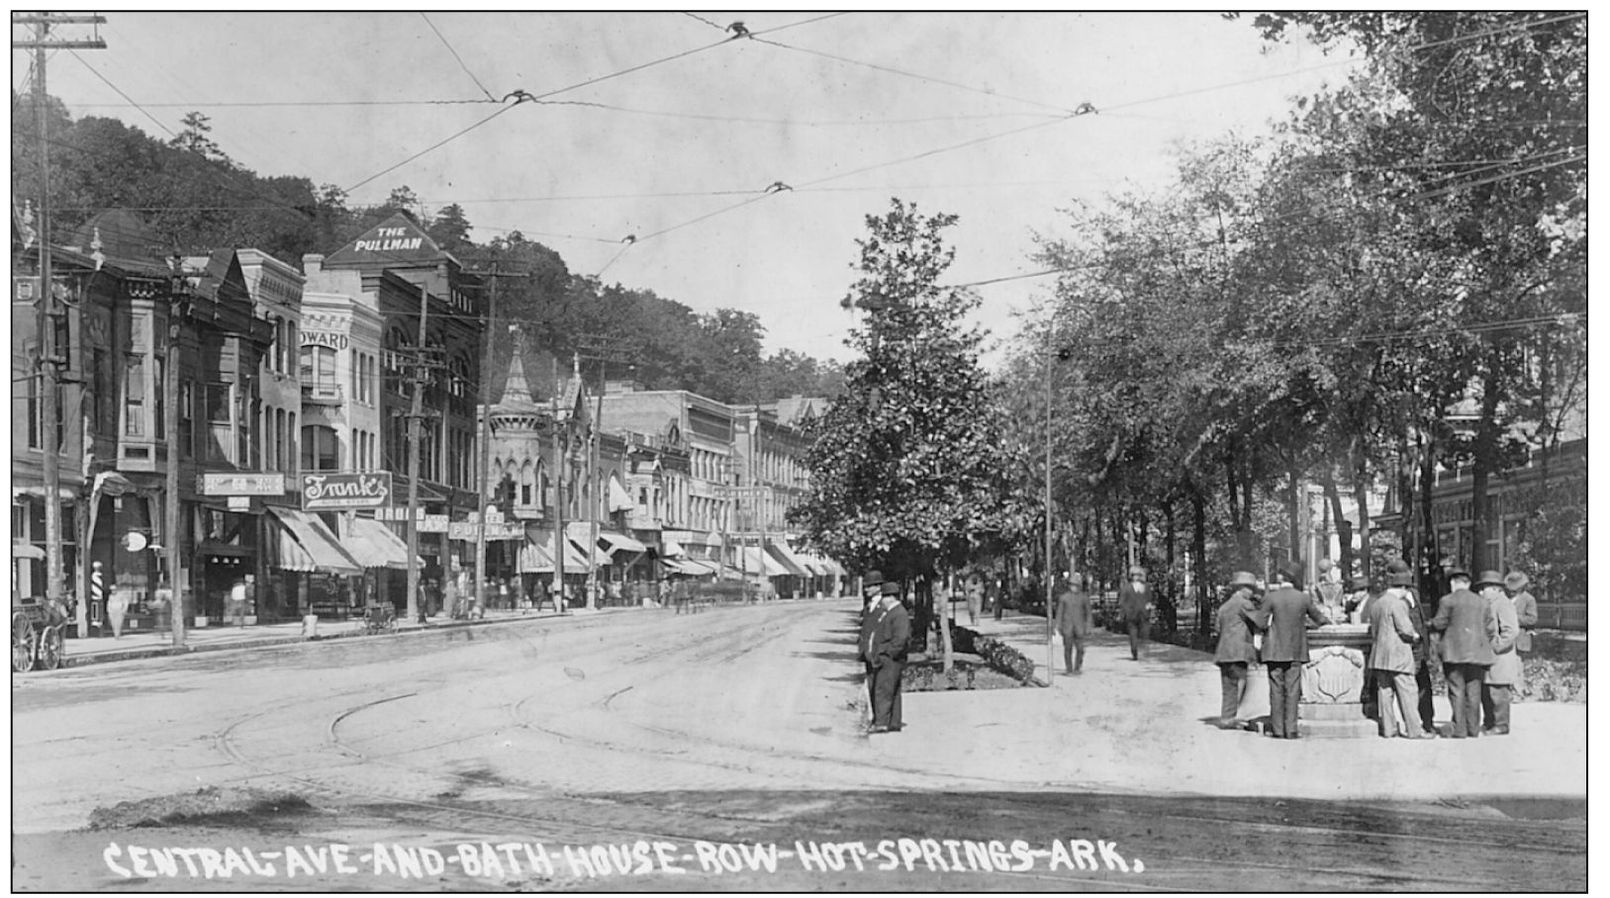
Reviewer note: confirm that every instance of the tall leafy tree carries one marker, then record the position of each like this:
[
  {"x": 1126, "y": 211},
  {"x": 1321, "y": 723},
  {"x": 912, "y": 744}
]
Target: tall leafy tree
[{"x": 908, "y": 466}]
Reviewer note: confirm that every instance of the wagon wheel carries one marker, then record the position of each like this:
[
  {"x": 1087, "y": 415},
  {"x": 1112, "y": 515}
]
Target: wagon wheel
[
  {"x": 52, "y": 647},
  {"x": 22, "y": 643}
]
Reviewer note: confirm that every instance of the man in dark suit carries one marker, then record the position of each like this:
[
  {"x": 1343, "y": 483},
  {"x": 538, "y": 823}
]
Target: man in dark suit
[
  {"x": 886, "y": 652},
  {"x": 1285, "y": 617},
  {"x": 1073, "y": 622},
  {"x": 871, "y": 587},
  {"x": 1467, "y": 651},
  {"x": 1236, "y": 620},
  {"x": 1135, "y": 607}
]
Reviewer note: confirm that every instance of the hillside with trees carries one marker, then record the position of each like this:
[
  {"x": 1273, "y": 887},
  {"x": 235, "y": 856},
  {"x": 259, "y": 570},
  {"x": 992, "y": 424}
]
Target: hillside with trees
[{"x": 196, "y": 198}]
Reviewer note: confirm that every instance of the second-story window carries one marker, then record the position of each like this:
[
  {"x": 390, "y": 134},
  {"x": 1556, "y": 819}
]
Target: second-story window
[
  {"x": 318, "y": 365},
  {"x": 134, "y": 395}
]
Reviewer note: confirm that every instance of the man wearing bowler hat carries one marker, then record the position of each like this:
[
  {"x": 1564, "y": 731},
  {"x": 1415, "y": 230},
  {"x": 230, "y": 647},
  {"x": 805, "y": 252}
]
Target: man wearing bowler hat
[
  {"x": 885, "y": 651},
  {"x": 1399, "y": 577},
  {"x": 1285, "y": 617},
  {"x": 1467, "y": 651}
]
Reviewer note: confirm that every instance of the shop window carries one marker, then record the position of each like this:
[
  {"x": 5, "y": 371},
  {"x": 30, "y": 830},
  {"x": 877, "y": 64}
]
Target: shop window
[{"x": 161, "y": 407}]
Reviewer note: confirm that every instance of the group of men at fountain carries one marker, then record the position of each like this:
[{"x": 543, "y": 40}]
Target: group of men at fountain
[{"x": 1477, "y": 632}]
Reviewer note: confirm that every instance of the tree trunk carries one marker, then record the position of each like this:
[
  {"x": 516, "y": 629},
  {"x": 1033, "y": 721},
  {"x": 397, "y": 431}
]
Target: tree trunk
[
  {"x": 1431, "y": 582},
  {"x": 1487, "y": 463},
  {"x": 944, "y": 621},
  {"x": 1199, "y": 549},
  {"x": 1405, "y": 472},
  {"x": 1296, "y": 517},
  {"x": 1246, "y": 516},
  {"x": 1361, "y": 495},
  {"x": 1344, "y": 527}
]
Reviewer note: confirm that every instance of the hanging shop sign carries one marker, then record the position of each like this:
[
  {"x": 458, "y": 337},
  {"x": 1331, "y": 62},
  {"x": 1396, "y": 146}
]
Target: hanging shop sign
[
  {"x": 327, "y": 491},
  {"x": 237, "y": 483}
]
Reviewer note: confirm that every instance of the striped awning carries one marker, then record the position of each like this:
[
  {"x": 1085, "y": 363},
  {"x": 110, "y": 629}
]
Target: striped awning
[
  {"x": 790, "y": 559},
  {"x": 374, "y": 544},
  {"x": 620, "y": 542},
  {"x": 536, "y": 556},
  {"x": 311, "y": 547},
  {"x": 757, "y": 563}
]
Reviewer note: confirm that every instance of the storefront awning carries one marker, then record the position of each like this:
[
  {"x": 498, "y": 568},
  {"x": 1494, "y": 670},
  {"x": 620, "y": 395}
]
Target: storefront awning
[
  {"x": 536, "y": 556},
  {"x": 620, "y": 542},
  {"x": 670, "y": 548},
  {"x": 374, "y": 545},
  {"x": 756, "y": 563},
  {"x": 790, "y": 559},
  {"x": 312, "y": 547}
]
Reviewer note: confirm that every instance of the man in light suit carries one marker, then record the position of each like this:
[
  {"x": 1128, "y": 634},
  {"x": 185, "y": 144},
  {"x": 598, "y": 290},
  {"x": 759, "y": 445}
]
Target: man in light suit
[
  {"x": 1392, "y": 637},
  {"x": 886, "y": 651},
  {"x": 1503, "y": 626},
  {"x": 1073, "y": 622},
  {"x": 1236, "y": 620},
  {"x": 1285, "y": 617},
  {"x": 1467, "y": 651}
]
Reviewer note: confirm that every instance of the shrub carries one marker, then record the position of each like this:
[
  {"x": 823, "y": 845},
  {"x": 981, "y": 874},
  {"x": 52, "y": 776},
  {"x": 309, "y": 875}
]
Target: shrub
[{"x": 998, "y": 655}]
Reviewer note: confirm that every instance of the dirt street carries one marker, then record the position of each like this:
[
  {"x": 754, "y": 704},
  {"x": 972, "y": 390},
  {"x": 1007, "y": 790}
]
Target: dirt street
[{"x": 719, "y": 751}]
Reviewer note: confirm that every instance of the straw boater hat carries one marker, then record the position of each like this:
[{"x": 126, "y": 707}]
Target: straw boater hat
[
  {"x": 1137, "y": 571},
  {"x": 1515, "y": 581},
  {"x": 1360, "y": 582},
  {"x": 1489, "y": 578},
  {"x": 1244, "y": 578}
]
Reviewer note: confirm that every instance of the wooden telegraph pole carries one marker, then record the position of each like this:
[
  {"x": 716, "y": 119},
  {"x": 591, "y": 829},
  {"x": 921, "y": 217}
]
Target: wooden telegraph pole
[
  {"x": 416, "y": 414},
  {"x": 484, "y": 430},
  {"x": 50, "y": 355}
]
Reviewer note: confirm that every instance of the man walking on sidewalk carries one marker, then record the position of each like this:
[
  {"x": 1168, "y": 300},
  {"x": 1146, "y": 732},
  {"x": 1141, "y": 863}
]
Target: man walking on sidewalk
[
  {"x": 1073, "y": 622},
  {"x": 886, "y": 652},
  {"x": 1135, "y": 606},
  {"x": 1285, "y": 616}
]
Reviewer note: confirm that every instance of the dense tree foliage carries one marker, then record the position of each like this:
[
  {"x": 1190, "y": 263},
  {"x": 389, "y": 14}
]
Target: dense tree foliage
[{"x": 1394, "y": 283}]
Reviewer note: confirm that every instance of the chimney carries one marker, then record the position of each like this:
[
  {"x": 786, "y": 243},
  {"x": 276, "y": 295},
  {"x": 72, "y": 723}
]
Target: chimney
[{"x": 312, "y": 263}]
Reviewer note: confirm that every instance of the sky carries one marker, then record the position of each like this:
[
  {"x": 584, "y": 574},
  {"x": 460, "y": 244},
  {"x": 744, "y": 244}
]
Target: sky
[{"x": 975, "y": 119}]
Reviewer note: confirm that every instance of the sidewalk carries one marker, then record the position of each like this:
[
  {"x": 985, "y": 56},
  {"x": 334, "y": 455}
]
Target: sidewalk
[
  {"x": 1149, "y": 726},
  {"x": 152, "y": 644}
]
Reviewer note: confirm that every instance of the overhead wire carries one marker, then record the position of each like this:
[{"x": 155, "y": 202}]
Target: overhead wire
[
  {"x": 901, "y": 72},
  {"x": 456, "y": 57}
]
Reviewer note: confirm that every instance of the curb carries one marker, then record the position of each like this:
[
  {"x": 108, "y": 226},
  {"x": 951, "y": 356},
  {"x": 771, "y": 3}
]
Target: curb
[{"x": 159, "y": 651}]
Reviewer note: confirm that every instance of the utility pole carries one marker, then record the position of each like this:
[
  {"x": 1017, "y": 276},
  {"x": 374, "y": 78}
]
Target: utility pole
[
  {"x": 1050, "y": 359},
  {"x": 760, "y": 497},
  {"x": 603, "y": 355},
  {"x": 484, "y": 432},
  {"x": 49, "y": 353},
  {"x": 178, "y": 310},
  {"x": 559, "y": 465},
  {"x": 415, "y": 424}
]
